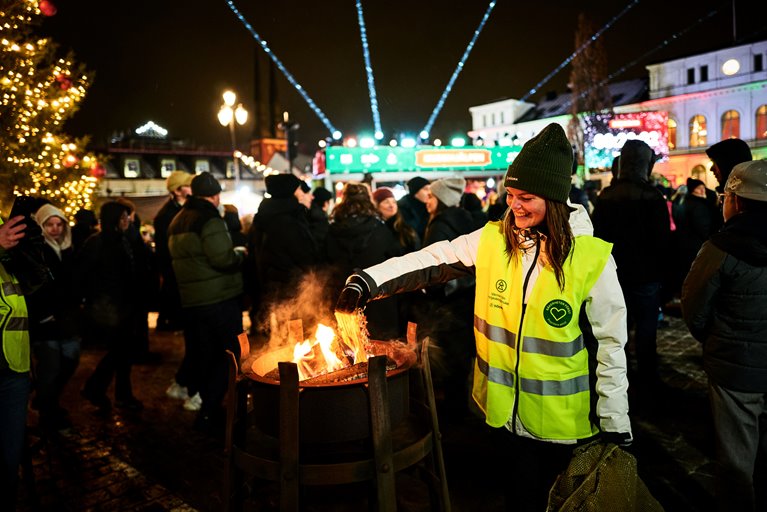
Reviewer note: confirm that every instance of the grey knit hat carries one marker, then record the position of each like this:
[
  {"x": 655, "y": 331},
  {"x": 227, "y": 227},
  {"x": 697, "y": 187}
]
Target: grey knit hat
[
  {"x": 448, "y": 190},
  {"x": 543, "y": 166}
]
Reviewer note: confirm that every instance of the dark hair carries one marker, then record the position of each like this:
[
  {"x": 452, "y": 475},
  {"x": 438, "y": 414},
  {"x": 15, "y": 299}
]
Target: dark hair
[
  {"x": 110, "y": 214},
  {"x": 406, "y": 235},
  {"x": 556, "y": 227},
  {"x": 752, "y": 205},
  {"x": 355, "y": 201}
]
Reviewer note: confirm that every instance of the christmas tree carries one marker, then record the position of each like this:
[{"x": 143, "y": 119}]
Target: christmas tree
[{"x": 39, "y": 90}]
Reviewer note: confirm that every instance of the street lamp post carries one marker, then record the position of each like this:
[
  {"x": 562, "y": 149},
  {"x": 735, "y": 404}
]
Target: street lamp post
[
  {"x": 289, "y": 127},
  {"x": 228, "y": 114}
]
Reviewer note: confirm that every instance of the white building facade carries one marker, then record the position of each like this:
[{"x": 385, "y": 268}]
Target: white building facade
[{"x": 708, "y": 98}]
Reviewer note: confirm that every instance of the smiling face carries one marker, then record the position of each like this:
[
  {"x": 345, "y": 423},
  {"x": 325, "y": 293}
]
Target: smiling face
[
  {"x": 529, "y": 210},
  {"x": 387, "y": 208},
  {"x": 431, "y": 203}
]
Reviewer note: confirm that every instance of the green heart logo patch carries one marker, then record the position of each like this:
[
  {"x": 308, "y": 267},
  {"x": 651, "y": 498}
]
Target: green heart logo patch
[{"x": 557, "y": 313}]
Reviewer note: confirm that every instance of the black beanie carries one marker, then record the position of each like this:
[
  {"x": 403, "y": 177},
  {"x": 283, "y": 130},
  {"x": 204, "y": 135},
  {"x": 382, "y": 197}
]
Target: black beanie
[
  {"x": 416, "y": 184},
  {"x": 692, "y": 184},
  {"x": 543, "y": 166},
  {"x": 321, "y": 195},
  {"x": 205, "y": 185},
  {"x": 729, "y": 153},
  {"x": 281, "y": 186}
]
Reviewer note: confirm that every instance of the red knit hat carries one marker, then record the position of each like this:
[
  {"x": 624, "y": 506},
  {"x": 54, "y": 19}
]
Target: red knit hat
[{"x": 382, "y": 193}]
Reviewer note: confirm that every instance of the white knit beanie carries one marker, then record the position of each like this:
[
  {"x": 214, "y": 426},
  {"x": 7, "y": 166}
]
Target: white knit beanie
[{"x": 448, "y": 190}]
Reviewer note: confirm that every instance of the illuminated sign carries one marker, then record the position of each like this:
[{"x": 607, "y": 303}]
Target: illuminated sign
[
  {"x": 421, "y": 158},
  {"x": 605, "y": 135}
]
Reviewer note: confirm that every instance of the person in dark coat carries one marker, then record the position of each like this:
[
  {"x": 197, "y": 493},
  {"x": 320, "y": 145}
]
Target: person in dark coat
[
  {"x": 700, "y": 218},
  {"x": 86, "y": 224},
  {"x": 281, "y": 247},
  {"x": 412, "y": 206},
  {"x": 106, "y": 270},
  {"x": 318, "y": 214},
  {"x": 447, "y": 317},
  {"x": 169, "y": 305},
  {"x": 473, "y": 204},
  {"x": 723, "y": 303},
  {"x": 234, "y": 225},
  {"x": 358, "y": 238},
  {"x": 388, "y": 209},
  {"x": 633, "y": 215},
  {"x": 727, "y": 154},
  {"x": 54, "y": 328}
]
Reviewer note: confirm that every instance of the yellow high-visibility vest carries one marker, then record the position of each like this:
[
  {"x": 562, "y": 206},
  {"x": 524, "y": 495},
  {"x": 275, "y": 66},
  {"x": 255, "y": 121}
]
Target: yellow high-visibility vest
[
  {"x": 547, "y": 366},
  {"x": 14, "y": 323}
]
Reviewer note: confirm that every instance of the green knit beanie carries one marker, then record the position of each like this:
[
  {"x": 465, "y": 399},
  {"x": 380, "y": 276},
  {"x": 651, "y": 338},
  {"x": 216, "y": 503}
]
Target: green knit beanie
[{"x": 543, "y": 166}]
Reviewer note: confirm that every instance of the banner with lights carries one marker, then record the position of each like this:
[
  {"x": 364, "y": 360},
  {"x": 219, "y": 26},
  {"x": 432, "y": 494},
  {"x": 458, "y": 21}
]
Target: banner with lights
[
  {"x": 605, "y": 134},
  {"x": 422, "y": 158}
]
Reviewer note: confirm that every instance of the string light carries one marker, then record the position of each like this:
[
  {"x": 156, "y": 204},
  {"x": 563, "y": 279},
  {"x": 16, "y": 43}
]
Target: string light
[
  {"x": 567, "y": 61},
  {"x": 281, "y": 67},
  {"x": 642, "y": 57},
  {"x": 37, "y": 94},
  {"x": 369, "y": 72}
]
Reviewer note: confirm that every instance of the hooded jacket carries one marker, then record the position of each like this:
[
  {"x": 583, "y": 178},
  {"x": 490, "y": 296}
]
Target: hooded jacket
[
  {"x": 724, "y": 299},
  {"x": 632, "y": 214}
]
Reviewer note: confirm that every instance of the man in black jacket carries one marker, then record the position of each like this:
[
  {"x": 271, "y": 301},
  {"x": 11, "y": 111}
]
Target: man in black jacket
[
  {"x": 412, "y": 207},
  {"x": 727, "y": 154},
  {"x": 169, "y": 314},
  {"x": 633, "y": 215},
  {"x": 724, "y": 300}
]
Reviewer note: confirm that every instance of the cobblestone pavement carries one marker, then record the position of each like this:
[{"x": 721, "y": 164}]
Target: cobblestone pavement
[{"x": 153, "y": 461}]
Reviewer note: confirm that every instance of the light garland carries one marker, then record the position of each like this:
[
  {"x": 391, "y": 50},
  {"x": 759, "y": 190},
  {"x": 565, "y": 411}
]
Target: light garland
[
  {"x": 449, "y": 87},
  {"x": 369, "y": 73},
  {"x": 37, "y": 94}
]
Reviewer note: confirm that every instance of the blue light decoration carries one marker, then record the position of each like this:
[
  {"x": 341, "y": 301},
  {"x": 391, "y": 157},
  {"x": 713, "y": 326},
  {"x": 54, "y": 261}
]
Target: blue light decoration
[
  {"x": 663, "y": 44},
  {"x": 458, "y": 69},
  {"x": 284, "y": 70},
  {"x": 567, "y": 61},
  {"x": 369, "y": 72}
]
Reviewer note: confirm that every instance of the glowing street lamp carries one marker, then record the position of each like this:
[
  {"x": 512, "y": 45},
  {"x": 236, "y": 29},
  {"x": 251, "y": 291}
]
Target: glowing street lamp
[{"x": 228, "y": 115}]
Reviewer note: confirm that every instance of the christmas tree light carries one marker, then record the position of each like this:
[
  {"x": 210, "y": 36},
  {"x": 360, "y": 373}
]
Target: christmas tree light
[{"x": 39, "y": 90}]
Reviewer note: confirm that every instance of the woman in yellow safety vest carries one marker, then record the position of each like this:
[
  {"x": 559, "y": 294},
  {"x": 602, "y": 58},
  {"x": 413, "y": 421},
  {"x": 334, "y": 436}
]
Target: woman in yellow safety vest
[{"x": 534, "y": 271}]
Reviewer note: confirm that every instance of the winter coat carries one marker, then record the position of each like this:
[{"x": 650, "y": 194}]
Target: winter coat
[
  {"x": 724, "y": 300},
  {"x": 700, "y": 218},
  {"x": 633, "y": 215},
  {"x": 54, "y": 309},
  {"x": 359, "y": 242},
  {"x": 414, "y": 212},
  {"x": 206, "y": 265},
  {"x": 161, "y": 223},
  {"x": 281, "y": 246},
  {"x": 319, "y": 225}
]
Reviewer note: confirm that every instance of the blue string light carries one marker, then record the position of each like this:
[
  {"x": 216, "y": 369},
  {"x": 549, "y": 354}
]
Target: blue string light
[
  {"x": 579, "y": 50},
  {"x": 642, "y": 57},
  {"x": 282, "y": 68},
  {"x": 458, "y": 69},
  {"x": 369, "y": 72}
]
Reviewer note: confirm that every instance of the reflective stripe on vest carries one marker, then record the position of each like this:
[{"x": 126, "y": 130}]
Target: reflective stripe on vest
[
  {"x": 553, "y": 375},
  {"x": 14, "y": 324}
]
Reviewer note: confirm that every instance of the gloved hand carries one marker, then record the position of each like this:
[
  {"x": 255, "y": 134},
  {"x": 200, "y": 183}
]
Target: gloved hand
[
  {"x": 622, "y": 439},
  {"x": 354, "y": 295}
]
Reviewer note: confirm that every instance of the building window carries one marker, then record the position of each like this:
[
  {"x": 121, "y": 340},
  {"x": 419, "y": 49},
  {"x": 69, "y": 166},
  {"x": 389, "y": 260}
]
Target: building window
[
  {"x": 730, "y": 125},
  {"x": 131, "y": 167},
  {"x": 167, "y": 166},
  {"x": 484, "y": 120},
  {"x": 690, "y": 76},
  {"x": 704, "y": 73},
  {"x": 698, "y": 131},
  {"x": 761, "y": 122},
  {"x": 230, "y": 169},
  {"x": 758, "y": 63},
  {"x": 493, "y": 119},
  {"x": 671, "y": 133},
  {"x": 503, "y": 119},
  {"x": 201, "y": 166}
]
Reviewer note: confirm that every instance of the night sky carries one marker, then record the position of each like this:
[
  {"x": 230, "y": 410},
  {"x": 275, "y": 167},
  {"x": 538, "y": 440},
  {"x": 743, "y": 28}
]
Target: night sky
[{"x": 169, "y": 61}]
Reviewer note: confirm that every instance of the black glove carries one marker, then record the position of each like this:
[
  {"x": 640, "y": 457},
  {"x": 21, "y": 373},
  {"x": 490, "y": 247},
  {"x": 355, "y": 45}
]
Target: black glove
[
  {"x": 622, "y": 439},
  {"x": 354, "y": 295}
]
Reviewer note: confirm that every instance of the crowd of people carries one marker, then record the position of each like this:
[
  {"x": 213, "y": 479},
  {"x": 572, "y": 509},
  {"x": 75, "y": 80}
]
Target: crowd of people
[{"x": 529, "y": 300}]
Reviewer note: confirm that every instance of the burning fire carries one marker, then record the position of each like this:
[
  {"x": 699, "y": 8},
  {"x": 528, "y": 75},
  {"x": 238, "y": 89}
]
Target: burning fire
[{"x": 327, "y": 352}]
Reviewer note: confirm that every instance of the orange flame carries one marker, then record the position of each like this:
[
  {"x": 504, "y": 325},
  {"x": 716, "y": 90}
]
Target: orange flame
[{"x": 324, "y": 352}]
